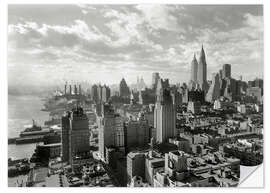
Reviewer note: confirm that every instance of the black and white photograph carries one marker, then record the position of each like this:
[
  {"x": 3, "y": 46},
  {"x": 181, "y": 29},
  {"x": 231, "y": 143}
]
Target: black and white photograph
[{"x": 134, "y": 95}]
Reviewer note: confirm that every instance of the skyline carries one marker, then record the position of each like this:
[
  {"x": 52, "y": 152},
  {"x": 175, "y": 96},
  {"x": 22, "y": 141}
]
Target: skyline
[{"x": 130, "y": 41}]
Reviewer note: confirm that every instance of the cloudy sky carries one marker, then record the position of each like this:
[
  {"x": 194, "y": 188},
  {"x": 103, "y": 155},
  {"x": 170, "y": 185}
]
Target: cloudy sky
[{"x": 103, "y": 43}]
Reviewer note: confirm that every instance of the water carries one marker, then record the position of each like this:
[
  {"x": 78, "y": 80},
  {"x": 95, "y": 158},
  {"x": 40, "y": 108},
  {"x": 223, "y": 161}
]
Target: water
[{"x": 21, "y": 111}]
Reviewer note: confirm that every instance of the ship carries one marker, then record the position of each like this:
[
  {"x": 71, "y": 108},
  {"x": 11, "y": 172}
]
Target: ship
[{"x": 34, "y": 130}]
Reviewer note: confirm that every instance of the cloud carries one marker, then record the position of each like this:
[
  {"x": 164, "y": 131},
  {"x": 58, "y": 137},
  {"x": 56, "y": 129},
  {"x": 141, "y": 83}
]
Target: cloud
[
  {"x": 131, "y": 40},
  {"x": 254, "y": 21},
  {"x": 160, "y": 17}
]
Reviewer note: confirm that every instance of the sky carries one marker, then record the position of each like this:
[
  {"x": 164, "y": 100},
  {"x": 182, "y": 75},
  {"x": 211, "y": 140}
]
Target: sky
[{"x": 48, "y": 44}]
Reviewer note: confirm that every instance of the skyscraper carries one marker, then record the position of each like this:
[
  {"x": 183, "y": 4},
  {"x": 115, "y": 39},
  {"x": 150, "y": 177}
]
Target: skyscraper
[
  {"x": 65, "y": 124},
  {"x": 75, "y": 134},
  {"x": 94, "y": 93},
  {"x": 155, "y": 77},
  {"x": 123, "y": 89},
  {"x": 137, "y": 132},
  {"x": 164, "y": 114},
  {"x": 202, "y": 71},
  {"x": 106, "y": 93},
  {"x": 214, "y": 90},
  {"x": 111, "y": 130},
  {"x": 226, "y": 71},
  {"x": 194, "y": 69},
  {"x": 99, "y": 92}
]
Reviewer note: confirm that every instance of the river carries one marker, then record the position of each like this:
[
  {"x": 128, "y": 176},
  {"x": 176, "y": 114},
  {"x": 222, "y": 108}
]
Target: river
[{"x": 21, "y": 110}]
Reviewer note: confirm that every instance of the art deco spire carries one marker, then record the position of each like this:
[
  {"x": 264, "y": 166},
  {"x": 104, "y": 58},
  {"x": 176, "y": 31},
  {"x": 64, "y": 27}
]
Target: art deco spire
[
  {"x": 194, "y": 69},
  {"x": 202, "y": 55},
  {"x": 202, "y": 71}
]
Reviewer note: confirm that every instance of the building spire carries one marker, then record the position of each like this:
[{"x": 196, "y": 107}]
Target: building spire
[
  {"x": 202, "y": 55},
  {"x": 194, "y": 57}
]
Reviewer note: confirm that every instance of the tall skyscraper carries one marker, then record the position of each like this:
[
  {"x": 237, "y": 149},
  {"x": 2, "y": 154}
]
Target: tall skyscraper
[
  {"x": 226, "y": 71},
  {"x": 65, "y": 124},
  {"x": 123, "y": 89},
  {"x": 106, "y": 93},
  {"x": 155, "y": 77},
  {"x": 164, "y": 114},
  {"x": 194, "y": 69},
  {"x": 111, "y": 130},
  {"x": 202, "y": 71},
  {"x": 75, "y": 134},
  {"x": 94, "y": 93},
  {"x": 99, "y": 92},
  {"x": 214, "y": 90}
]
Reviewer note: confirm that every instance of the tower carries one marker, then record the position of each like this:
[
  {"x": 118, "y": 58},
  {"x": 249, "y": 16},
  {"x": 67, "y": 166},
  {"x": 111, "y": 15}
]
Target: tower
[
  {"x": 202, "y": 71},
  {"x": 164, "y": 114},
  {"x": 214, "y": 90},
  {"x": 123, "y": 88},
  {"x": 226, "y": 71},
  {"x": 111, "y": 130},
  {"x": 75, "y": 134},
  {"x": 155, "y": 77},
  {"x": 94, "y": 93},
  {"x": 65, "y": 88},
  {"x": 194, "y": 69}
]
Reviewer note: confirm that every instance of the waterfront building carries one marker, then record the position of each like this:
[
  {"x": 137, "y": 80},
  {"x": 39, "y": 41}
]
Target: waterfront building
[
  {"x": 75, "y": 134},
  {"x": 65, "y": 124}
]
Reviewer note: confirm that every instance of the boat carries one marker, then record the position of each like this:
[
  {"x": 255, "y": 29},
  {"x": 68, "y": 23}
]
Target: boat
[{"x": 34, "y": 130}]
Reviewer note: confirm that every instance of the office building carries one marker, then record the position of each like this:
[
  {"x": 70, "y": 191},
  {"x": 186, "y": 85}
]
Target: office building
[
  {"x": 137, "y": 132},
  {"x": 135, "y": 164},
  {"x": 106, "y": 93},
  {"x": 214, "y": 90},
  {"x": 194, "y": 107},
  {"x": 75, "y": 134},
  {"x": 123, "y": 89},
  {"x": 164, "y": 114},
  {"x": 111, "y": 130},
  {"x": 94, "y": 93},
  {"x": 155, "y": 78},
  {"x": 226, "y": 71}
]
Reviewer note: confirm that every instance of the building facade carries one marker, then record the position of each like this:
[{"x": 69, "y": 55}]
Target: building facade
[{"x": 164, "y": 114}]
